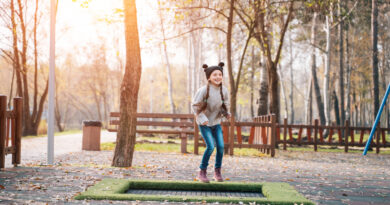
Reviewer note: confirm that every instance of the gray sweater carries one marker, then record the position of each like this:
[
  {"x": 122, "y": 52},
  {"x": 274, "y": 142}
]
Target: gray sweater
[{"x": 214, "y": 104}]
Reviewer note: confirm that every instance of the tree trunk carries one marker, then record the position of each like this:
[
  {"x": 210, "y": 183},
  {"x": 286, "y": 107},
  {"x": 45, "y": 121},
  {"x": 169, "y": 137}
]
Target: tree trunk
[
  {"x": 35, "y": 61},
  {"x": 196, "y": 64},
  {"x": 336, "y": 108},
  {"x": 283, "y": 94},
  {"x": 273, "y": 89},
  {"x": 57, "y": 114},
  {"x": 291, "y": 83},
  {"x": 320, "y": 106},
  {"x": 341, "y": 61},
  {"x": 263, "y": 91},
  {"x": 124, "y": 149},
  {"x": 28, "y": 128},
  {"x": 308, "y": 103},
  {"x": 16, "y": 61},
  {"x": 168, "y": 65},
  {"x": 329, "y": 21},
  {"x": 233, "y": 92},
  {"x": 374, "y": 55},
  {"x": 251, "y": 81},
  {"x": 348, "y": 76}
]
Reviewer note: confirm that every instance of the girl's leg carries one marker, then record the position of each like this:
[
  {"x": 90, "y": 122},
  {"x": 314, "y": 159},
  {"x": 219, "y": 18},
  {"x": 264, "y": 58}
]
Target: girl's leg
[
  {"x": 217, "y": 133},
  {"x": 208, "y": 138}
]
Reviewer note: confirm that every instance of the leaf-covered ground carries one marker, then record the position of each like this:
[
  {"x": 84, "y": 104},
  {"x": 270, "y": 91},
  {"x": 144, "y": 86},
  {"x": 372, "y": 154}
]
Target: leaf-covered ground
[{"x": 326, "y": 178}]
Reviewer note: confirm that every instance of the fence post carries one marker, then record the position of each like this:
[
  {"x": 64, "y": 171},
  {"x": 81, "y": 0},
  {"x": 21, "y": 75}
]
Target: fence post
[
  {"x": 285, "y": 134},
  {"x": 18, "y": 110},
  {"x": 315, "y": 134},
  {"x": 196, "y": 138},
  {"x": 273, "y": 134},
  {"x": 3, "y": 128},
  {"x": 231, "y": 136},
  {"x": 183, "y": 138},
  {"x": 346, "y": 135},
  {"x": 225, "y": 132}
]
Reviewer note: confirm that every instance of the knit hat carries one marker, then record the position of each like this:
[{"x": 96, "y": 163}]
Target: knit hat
[{"x": 209, "y": 70}]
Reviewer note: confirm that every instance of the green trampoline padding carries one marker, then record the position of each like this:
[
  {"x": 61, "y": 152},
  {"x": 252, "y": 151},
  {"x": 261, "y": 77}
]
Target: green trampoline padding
[{"x": 115, "y": 189}]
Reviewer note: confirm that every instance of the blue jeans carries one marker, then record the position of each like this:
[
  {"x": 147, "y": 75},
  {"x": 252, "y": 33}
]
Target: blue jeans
[{"x": 211, "y": 134}]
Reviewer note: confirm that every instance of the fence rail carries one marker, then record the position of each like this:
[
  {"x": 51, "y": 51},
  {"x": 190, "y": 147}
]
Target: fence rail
[
  {"x": 264, "y": 133},
  {"x": 10, "y": 129},
  {"x": 347, "y": 136},
  {"x": 263, "y": 130}
]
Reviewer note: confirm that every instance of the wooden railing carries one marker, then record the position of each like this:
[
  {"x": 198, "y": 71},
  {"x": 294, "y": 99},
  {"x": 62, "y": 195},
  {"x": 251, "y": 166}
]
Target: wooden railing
[
  {"x": 262, "y": 137},
  {"x": 10, "y": 129},
  {"x": 348, "y": 136}
]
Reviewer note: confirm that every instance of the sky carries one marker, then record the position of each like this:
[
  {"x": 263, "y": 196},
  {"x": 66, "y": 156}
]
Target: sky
[
  {"x": 80, "y": 26},
  {"x": 79, "y": 31}
]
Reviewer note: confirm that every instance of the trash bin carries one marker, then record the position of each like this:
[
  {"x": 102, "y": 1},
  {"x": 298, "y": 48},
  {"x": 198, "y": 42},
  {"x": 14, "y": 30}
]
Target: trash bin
[{"x": 91, "y": 135}]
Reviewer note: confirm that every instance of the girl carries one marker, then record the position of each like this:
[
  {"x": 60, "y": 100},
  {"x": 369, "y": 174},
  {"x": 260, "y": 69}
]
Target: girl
[{"x": 210, "y": 104}]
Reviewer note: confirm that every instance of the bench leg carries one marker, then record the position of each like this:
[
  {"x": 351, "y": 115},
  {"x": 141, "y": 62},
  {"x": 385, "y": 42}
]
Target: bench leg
[{"x": 183, "y": 147}]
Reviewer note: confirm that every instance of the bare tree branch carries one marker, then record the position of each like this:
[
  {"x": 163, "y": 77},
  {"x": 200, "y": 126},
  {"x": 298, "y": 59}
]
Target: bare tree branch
[
  {"x": 344, "y": 17},
  {"x": 283, "y": 32},
  {"x": 202, "y": 7},
  {"x": 242, "y": 56},
  {"x": 194, "y": 29}
]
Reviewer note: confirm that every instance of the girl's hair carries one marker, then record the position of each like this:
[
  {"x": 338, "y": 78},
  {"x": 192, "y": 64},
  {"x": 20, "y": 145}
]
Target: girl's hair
[{"x": 204, "y": 104}]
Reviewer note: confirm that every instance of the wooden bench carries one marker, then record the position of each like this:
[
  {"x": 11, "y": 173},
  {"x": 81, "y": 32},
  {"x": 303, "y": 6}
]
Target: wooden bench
[{"x": 178, "y": 124}]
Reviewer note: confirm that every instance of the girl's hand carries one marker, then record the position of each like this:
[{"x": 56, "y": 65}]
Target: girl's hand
[
  {"x": 228, "y": 117},
  {"x": 205, "y": 123}
]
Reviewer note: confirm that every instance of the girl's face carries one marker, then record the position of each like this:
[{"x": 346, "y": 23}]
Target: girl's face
[{"x": 216, "y": 77}]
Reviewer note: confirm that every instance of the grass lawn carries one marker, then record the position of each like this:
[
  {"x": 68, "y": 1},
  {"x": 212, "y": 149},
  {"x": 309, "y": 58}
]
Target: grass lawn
[
  {"x": 175, "y": 148},
  {"x": 114, "y": 189}
]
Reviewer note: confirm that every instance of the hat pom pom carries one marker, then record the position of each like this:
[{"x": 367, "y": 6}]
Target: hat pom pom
[
  {"x": 205, "y": 66},
  {"x": 221, "y": 64}
]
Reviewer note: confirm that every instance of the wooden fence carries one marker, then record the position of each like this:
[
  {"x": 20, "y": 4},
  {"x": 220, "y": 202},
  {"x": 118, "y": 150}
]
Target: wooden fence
[
  {"x": 262, "y": 137},
  {"x": 347, "y": 136},
  {"x": 10, "y": 129}
]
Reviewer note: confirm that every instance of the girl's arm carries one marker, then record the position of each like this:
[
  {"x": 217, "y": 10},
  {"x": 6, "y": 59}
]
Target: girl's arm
[{"x": 197, "y": 102}]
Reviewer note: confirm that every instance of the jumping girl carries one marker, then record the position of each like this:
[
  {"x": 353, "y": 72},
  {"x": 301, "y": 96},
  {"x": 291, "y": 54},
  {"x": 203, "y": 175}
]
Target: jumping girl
[{"x": 210, "y": 104}]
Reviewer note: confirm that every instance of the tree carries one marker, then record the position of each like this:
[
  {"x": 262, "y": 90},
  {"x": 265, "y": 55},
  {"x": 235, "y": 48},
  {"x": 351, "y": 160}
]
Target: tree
[
  {"x": 168, "y": 65},
  {"x": 320, "y": 105},
  {"x": 374, "y": 55},
  {"x": 262, "y": 36},
  {"x": 328, "y": 23},
  {"x": 125, "y": 141},
  {"x": 21, "y": 33},
  {"x": 291, "y": 95},
  {"x": 341, "y": 61}
]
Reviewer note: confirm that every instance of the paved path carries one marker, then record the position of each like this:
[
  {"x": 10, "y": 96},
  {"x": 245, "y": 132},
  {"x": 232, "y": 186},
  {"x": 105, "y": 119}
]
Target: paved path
[
  {"x": 35, "y": 149},
  {"x": 326, "y": 178}
]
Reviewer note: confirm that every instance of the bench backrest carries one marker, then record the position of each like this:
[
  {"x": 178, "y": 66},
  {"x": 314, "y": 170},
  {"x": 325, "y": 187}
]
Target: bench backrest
[{"x": 183, "y": 121}]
